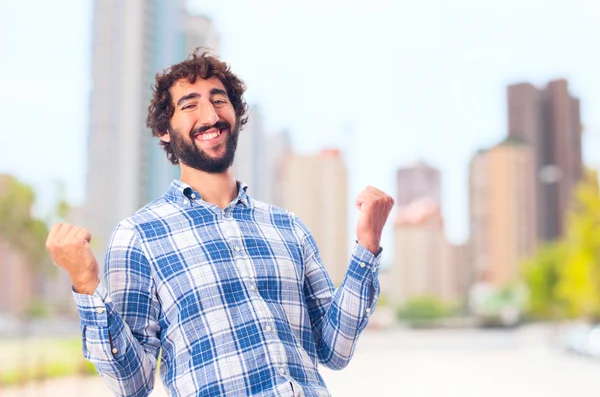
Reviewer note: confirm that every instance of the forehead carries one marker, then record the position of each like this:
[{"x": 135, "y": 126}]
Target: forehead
[{"x": 201, "y": 86}]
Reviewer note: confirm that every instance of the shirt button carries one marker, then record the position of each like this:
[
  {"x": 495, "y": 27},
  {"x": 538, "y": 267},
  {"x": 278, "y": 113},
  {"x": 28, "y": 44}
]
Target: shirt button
[
  {"x": 186, "y": 201},
  {"x": 363, "y": 264},
  {"x": 368, "y": 310},
  {"x": 253, "y": 288},
  {"x": 114, "y": 350},
  {"x": 100, "y": 310},
  {"x": 193, "y": 195},
  {"x": 282, "y": 371},
  {"x": 269, "y": 329},
  {"x": 237, "y": 248},
  {"x": 108, "y": 300}
]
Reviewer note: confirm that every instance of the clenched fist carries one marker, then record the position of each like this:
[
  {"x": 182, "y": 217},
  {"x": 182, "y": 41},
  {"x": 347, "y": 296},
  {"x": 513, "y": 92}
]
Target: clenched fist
[
  {"x": 374, "y": 206},
  {"x": 69, "y": 248}
]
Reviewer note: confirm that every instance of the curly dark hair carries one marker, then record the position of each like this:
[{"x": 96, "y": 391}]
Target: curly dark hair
[{"x": 200, "y": 64}]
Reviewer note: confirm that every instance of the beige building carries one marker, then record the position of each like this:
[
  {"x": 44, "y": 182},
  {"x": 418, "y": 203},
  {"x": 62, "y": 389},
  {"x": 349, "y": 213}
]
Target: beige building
[
  {"x": 16, "y": 281},
  {"x": 425, "y": 263},
  {"x": 502, "y": 211},
  {"x": 315, "y": 188},
  {"x": 455, "y": 273}
]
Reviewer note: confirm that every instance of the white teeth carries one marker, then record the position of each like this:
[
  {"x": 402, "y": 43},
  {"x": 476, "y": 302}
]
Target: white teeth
[{"x": 208, "y": 137}]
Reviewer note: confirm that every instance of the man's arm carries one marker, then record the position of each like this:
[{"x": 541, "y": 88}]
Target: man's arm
[
  {"x": 120, "y": 329},
  {"x": 339, "y": 316}
]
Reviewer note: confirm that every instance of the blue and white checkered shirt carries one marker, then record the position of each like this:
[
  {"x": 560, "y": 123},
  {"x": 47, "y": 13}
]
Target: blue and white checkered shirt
[{"x": 237, "y": 299}]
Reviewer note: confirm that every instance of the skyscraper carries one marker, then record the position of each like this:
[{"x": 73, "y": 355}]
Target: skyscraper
[
  {"x": 132, "y": 41},
  {"x": 278, "y": 146},
  {"x": 259, "y": 157},
  {"x": 200, "y": 32},
  {"x": 315, "y": 188},
  {"x": 417, "y": 181},
  {"x": 549, "y": 120},
  {"x": 502, "y": 217},
  {"x": 250, "y": 158}
]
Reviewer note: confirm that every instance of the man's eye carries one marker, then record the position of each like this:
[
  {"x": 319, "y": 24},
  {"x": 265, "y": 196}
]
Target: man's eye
[
  {"x": 188, "y": 107},
  {"x": 219, "y": 102}
]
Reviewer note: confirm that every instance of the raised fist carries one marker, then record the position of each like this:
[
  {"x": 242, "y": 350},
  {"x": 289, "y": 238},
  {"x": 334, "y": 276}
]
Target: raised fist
[
  {"x": 375, "y": 207},
  {"x": 69, "y": 248}
]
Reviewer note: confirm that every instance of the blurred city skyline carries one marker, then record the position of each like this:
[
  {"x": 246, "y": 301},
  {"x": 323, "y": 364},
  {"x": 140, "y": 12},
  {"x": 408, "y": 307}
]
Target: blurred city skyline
[
  {"x": 383, "y": 82},
  {"x": 469, "y": 115}
]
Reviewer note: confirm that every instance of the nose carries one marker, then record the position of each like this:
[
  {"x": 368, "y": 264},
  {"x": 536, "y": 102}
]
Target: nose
[{"x": 208, "y": 115}]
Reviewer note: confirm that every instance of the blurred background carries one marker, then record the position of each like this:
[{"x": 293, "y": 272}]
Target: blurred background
[{"x": 480, "y": 118}]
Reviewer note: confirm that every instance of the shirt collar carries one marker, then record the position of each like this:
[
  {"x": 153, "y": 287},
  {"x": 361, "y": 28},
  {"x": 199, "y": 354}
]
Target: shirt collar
[{"x": 180, "y": 192}]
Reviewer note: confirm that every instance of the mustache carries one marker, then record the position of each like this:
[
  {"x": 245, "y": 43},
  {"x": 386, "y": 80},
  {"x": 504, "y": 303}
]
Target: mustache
[{"x": 219, "y": 125}]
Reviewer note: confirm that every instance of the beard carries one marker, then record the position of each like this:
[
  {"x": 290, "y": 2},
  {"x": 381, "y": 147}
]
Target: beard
[{"x": 188, "y": 153}]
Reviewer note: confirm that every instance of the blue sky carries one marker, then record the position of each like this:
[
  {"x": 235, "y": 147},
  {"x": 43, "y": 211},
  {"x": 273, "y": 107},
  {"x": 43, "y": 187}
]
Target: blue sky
[{"x": 389, "y": 82}]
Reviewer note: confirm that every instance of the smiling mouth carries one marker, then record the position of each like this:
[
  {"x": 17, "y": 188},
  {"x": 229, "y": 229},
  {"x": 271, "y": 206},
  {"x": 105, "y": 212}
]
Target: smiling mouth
[{"x": 208, "y": 136}]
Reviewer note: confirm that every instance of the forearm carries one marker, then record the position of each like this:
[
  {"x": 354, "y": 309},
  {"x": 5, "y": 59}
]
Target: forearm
[
  {"x": 127, "y": 368},
  {"x": 347, "y": 314}
]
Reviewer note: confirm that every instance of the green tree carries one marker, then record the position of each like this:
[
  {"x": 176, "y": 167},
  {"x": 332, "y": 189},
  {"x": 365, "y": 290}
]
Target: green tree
[
  {"x": 542, "y": 274},
  {"x": 564, "y": 277},
  {"x": 23, "y": 232},
  {"x": 579, "y": 279}
]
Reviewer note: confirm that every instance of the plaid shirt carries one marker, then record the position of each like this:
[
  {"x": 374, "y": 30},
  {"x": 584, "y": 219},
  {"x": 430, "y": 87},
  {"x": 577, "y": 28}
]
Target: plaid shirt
[{"x": 237, "y": 299}]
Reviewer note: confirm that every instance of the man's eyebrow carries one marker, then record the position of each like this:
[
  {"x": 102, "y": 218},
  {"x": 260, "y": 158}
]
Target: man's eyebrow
[
  {"x": 192, "y": 95},
  {"x": 218, "y": 91},
  {"x": 187, "y": 97}
]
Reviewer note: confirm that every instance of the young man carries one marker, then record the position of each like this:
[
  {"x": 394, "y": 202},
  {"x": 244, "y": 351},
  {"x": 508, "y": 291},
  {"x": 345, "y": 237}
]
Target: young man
[{"x": 231, "y": 289}]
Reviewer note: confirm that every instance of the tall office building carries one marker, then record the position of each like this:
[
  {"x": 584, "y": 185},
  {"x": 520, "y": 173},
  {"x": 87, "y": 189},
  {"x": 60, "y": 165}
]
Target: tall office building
[
  {"x": 548, "y": 119},
  {"x": 249, "y": 165},
  {"x": 200, "y": 32},
  {"x": 315, "y": 188},
  {"x": 278, "y": 147},
  {"x": 259, "y": 157},
  {"x": 417, "y": 181},
  {"x": 132, "y": 41},
  {"x": 502, "y": 211}
]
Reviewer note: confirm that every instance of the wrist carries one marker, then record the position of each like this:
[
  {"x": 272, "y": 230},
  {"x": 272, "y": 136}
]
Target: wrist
[
  {"x": 85, "y": 285},
  {"x": 373, "y": 246}
]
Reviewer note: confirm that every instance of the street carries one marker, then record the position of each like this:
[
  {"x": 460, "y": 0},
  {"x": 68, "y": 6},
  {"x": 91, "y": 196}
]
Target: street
[{"x": 402, "y": 362}]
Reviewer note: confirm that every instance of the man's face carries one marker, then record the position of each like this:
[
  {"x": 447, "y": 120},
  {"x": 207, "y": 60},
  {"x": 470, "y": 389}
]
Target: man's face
[{"x": 204, "y": 130}]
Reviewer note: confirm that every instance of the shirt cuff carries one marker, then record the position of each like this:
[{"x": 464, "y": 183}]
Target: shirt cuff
[
  {"x": 364, "y": 263},
  {"x": 93, "y": 308}
]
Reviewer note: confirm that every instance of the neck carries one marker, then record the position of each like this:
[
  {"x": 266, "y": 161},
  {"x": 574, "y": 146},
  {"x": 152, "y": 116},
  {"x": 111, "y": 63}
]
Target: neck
[{"x": 218, "y": 189}]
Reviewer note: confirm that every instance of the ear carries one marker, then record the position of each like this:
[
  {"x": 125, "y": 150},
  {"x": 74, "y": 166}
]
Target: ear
[{"x": 165, "y": 137}]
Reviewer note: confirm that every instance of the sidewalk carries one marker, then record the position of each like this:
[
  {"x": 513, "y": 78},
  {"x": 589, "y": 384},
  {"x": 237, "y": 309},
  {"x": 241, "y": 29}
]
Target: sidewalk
[
  {"x": 91, "y": 386},
  {"x": 464, "y": 363}
]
